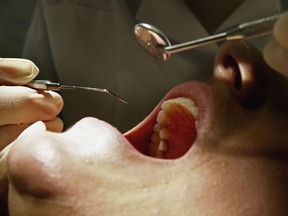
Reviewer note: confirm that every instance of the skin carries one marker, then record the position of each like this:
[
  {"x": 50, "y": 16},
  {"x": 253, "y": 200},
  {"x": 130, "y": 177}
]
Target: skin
[{"x": 236, "y": 166}]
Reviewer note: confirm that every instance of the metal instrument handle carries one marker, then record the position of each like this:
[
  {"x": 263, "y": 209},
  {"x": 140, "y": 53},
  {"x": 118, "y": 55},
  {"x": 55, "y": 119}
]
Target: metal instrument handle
[
  {"x": 44, "y": 85},
  {"x": 253, "y": 28}
]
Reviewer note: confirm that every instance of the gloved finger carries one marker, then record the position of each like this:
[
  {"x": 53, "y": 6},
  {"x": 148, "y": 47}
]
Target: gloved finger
[
  {"x": 276, "y": 56},
  {"x": 16, "y": 71},
  {"x": 22, "y": 105},
  {"x": 5, "y": 150},
  {"x": 3, "y": 185},
  {"x": 54, "y": 125},
  {"x": 3, "y": 169},
  {"x": 280, "y": 30},
  {"x": 8, "y": 133}
]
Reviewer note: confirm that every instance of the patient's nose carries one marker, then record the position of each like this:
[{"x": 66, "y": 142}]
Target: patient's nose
[{"x": 240, "y": 67}]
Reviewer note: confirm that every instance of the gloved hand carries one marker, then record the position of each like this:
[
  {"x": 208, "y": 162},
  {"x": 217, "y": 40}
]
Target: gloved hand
[
  {"x": 21, "y": 106},
  {"x": 276, "y": 53}
]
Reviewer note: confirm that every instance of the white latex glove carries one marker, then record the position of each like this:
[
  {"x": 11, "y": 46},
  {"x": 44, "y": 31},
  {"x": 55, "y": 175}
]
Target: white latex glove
[
  {"x": 21, "y": 106},
  {"x": 276, "y": 53}
]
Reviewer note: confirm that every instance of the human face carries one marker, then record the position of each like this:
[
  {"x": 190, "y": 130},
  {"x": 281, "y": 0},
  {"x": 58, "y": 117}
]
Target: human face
[{"x": 229, "y": 158}]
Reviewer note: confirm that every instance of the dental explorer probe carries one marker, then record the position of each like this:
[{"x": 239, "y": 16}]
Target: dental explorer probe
[
  {"x": 54, "y": 86},
  {"x": 156, "y": 43}
]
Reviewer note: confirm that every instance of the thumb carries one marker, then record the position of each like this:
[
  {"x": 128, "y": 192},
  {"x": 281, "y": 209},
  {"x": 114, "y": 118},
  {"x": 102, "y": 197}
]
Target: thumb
[
  {"x": 276, "y": 57},
  {"x": 276, "y": 53},
  {"x": 17, "y": 71},
  {"x": 280, "y": 30}
]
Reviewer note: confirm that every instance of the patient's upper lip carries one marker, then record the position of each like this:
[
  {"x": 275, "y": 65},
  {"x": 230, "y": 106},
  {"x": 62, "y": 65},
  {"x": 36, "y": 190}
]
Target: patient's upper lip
[{"x": 199, "y": 92}]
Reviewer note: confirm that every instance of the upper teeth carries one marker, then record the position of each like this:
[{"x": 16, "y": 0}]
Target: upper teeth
[
  {"x": 159, "y": 139},
  {"x": 187, "y": 103}
]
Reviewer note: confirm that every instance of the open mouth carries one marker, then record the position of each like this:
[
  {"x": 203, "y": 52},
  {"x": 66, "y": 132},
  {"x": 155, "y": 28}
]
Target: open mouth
[
  {"x": 173, "y": 126},
  {"x": 175, "y": 130}
]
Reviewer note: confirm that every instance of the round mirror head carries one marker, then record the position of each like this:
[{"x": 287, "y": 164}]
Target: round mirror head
[{"x": 152, "y": 40}]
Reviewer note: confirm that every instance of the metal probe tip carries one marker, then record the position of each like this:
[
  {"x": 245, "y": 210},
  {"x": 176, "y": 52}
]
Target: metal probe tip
[
  {"x": 116, "y": 96},
  {"x": 93, "y": 89}
]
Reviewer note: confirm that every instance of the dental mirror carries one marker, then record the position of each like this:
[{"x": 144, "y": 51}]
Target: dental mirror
[
  {"x": 152, "y": 40},
  {"x": 155, "y": 42}
]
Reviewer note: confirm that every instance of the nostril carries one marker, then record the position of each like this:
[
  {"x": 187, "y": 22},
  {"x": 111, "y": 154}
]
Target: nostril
[
  {"x": 240, "y": 67},
  {"x": 233, "y": 66},
  {"x": 244, "y": 81}
]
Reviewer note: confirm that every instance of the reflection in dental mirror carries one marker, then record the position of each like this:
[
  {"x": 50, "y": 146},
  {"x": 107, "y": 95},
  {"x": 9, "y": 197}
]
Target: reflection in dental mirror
[{"x": 153, "y": 40}]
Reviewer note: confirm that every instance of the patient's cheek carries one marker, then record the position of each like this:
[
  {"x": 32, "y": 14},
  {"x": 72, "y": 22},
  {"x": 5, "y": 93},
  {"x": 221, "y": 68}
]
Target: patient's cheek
[{"x": 35, "y": 170}]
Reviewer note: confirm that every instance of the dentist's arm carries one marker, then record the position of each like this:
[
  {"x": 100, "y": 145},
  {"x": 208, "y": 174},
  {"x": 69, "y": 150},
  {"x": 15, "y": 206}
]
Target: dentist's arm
[
  {"x": 21, "y": 106},
  {"x": 276, "y": 53}
]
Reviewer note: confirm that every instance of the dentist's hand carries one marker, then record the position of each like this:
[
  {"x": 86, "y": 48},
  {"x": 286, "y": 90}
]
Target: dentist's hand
[
  {"x": 276, "y": 53},
  {"x": 21, "y": 106}
]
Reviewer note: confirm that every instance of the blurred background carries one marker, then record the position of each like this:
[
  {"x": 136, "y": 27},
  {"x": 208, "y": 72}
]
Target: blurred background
[{"x": 15, "y": 17}]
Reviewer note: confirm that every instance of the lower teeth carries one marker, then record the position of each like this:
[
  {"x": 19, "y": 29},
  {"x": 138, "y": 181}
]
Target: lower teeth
[{"x": 176, "y": 120}]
